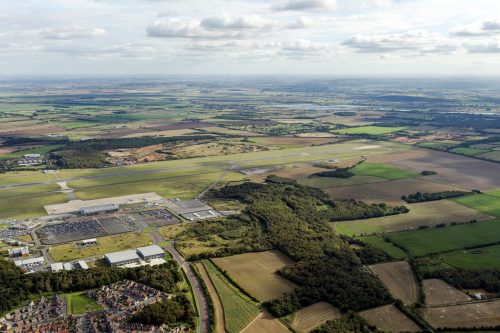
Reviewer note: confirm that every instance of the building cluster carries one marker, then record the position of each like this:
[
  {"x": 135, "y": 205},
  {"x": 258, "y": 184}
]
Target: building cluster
[
  {"x": 30, "y": 263},
  {"x": 45, "y": 315},
  {"x": 147, "y": 255},
  {"x": 16, "y": 252},
  {"x": 193, "y": 210},
  {"x": 68, "y": 266},
  {"x": 30, "y": 160}
]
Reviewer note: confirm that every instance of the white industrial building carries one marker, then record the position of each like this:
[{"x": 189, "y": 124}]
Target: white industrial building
[
  {"x": 106, "y": 208},
  {"x": 151, "y": 252},
  {"x": 56, "y": 267},
  {"x": 87, "y": 242},
  {"x": 122, "y": 258},
  {"x": 32, "y": 262}
]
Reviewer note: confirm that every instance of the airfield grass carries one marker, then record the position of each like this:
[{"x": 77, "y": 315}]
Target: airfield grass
[
  {"x": 32, "y": 205},
  {"x": 24, "y": 177},
  {"x": 27, "y": 190},
  {"x": 106, "y": 244},
  {"x": 389, "y": 248},
  {"x": 38, "y": 150},
  {"x": 239, "y": 310},
  {"x": 372, "y": 130},
  {"x": 435, "y": 240},
  {"x": 78, "y": 303},
  {"x": 485, "y": 257},
  {"x": 382, "y": 171},
  {"x": 484, "y": 203}
]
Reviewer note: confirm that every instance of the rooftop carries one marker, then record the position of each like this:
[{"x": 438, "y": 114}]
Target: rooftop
[
  {"x": 121, "y": 256},
  {"x": 151, "y": 250}
]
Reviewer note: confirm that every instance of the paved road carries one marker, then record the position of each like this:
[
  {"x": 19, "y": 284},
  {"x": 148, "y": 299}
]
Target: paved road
[{"x": 201, "y": 300}]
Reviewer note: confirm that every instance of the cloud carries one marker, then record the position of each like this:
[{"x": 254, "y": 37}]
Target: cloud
[
  {"x": 482, "y": 28},
  {"x": 301, "y": 23},
  {"x": 492, "y": 46},
  {"x": 419, "y": 41},
  {"x": 308, "y": 5},
  {"x": 223, "y": 26},
  {"x": 227, "y": 22},
  {"x": 72, "y": 32}
]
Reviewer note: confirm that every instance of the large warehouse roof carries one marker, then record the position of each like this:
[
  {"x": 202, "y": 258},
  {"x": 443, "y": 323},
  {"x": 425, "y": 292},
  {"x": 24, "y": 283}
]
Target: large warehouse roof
[
  {"x": 122, "y": 256},
  {"x": 98, "y": 208},
  {"x": 152, "y": 250}
]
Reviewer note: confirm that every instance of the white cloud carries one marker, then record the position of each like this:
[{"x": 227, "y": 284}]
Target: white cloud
[
  {"x": 419, "y": 41},
  {"x": 308, "y": 5},
  {"x": 176, "y": 28},
  {"x": 492, "y": 46},
  {"x": 482, "y": 28},
  {"x": 72, "y": 32},
  {"x": 244, "y": 22},
  {"x": 302, "y": 22}
]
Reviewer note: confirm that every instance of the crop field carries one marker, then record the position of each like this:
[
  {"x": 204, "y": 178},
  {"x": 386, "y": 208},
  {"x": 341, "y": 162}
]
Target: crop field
[
  {"x": 484, "y": 257},
  {"x": 454, "y": 170},
  {"x": 217, "y": 304},
  {"x": 265, "y": 323},
  {"x": 492, "y": 155},
  {"x": 78, "y": 303},
  {"x": 373, "y": 130},
  {"x": 435, "y": 240},
  {"x": 131, "y": 240},
  {"x": 382, "y": 171},
  {"x": 480, "y": 314},
  {"x": 256, "y": 273},
  {"x": 468, "y": 151},
  {"x": 420, "y": 214},
  {"x": 312, "y": 316},
  {"x": 389, "y": 318},
  {"x": 379, "y": 243},
  {"x": 484, "y": 203},
  {"x": 388, "y": 191},
  {"x": 438, "y": 292},
  {"x": 239, "y": 311},
  {"x": 398, "y": 277}
]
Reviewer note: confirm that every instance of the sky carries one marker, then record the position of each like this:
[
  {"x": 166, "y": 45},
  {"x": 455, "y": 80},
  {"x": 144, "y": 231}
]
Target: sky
[{"x": 225, "y": 37}]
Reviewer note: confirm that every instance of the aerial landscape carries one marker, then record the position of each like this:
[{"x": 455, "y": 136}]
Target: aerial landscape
[{"x": 225, "y": 174}]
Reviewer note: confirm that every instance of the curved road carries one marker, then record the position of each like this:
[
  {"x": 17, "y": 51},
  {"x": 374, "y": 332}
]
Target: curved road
[{"x": 201, "y": 301}]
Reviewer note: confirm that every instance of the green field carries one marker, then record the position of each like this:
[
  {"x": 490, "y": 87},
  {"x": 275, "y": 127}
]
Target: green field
[
  {"x": 484, "y": 203},
  {"x": 38, "y": 150},
  {"x": 485, "y": 257},
  {"x": 435, "y": 240},
  {"x": 107, "y": 244},
  {"x": 239, "y": 311},
  {"x": 29, "y": 205},
  {"x": 468, "y": 151},
  {"x": 78, "y": 303},
  {"x": 382, "y": 171},
  {"x": 327, "y": 182},
  {"x": 379, "y": 243},
  {"x": 373, "y": 130}
]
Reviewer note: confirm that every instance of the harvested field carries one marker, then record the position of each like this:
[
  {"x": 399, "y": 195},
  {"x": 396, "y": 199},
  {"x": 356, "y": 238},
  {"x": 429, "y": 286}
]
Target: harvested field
[
  {"x": 256, "y": 273},
  {"x": 481, "y": 314},
  {"x": 388, "y": 191},
  {"x": 293, "y": 140},
  {"x": 329, "y": 182},
  {"x": 438, "y": 292},
  {"x": 265, "y": 323},
  {"x": 455, "y": 170},
  {"x": 168, "y": 133},
  {"x": 312, "y": 316},
  {"x": 420, "y": 214},
  {"x": 398, "y": 277},
  {"x": 389, "y": 318}
]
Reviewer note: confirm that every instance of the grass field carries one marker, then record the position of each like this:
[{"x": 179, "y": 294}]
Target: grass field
[
  {"x": 421, "y": 214},
  {"x": 327, "y": 182},
  {"x": 382, "y": 171},
  {"x": 373, "y": 130},
  {"x": 29, "y": 205},
  {"x": 239, "y": 311},
  {"x": 398, "y": 277},
  {"x": 379, "y": 243},
  {"x": 256, "y": 273},
  {"x": 78, "y": 303},
  {"x": 435, "y": 240},
  {"x": 485, "y": 314},
  {"x": 468, "y": 151},
  {"x": 438, "y": 292},
  {"x": 131, "y": 240},
  {"x": 312, "y": 316},
  {"x": 485, "y": 257},
  {"x": 389, "y": 318},
  {"x": 484, "y": 203}
]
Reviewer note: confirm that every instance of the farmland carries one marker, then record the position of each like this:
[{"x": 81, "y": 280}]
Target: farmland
[
  {"x": 484, "y": 257},
  {"x": 421, "y": 214},
  {"x": 372, "y": 130},
  {"x": 481, "y": 314},
  {"x": 484, "y": 203},
  {"x": 389, "y": 318},
  {"x": 67, "y": 252},
  {"x": 265, "y": 323},
  {"x": 379, "y": 243},
  {"x": 398, "y": 277},
  {"x": 257, "y": 273},
  {"x": 382, "y": 171},
  {"x": 438, "y": 292},
  {"x": 435, "y": 240},
  {"x": 312, "y": 316},
  {"x": 239, "y": 311}
]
